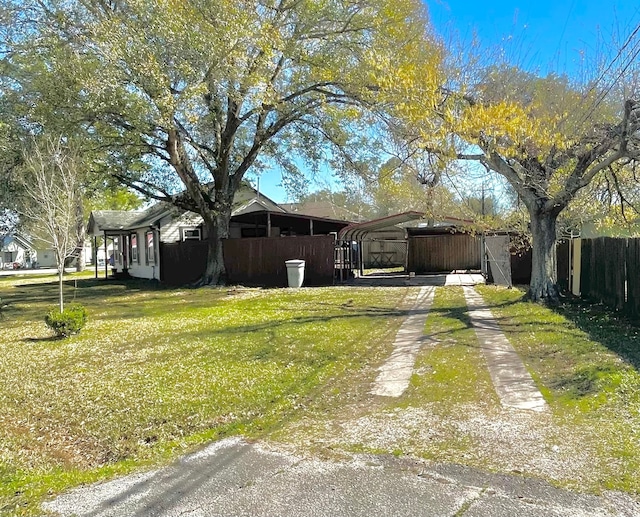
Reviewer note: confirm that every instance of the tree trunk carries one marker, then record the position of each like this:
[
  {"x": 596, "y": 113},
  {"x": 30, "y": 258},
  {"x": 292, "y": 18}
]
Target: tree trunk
[
  {"x": 217, "y": 229},
  {"x": 544, "y": 271},
  {"x": 60, "y": 295},
  {"x": 81, "y": 232}
]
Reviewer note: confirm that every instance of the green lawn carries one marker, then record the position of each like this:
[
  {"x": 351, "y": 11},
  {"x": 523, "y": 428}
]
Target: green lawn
[
  {"x": 586, "y": 361},
  {"x": 158, "y": 371}
]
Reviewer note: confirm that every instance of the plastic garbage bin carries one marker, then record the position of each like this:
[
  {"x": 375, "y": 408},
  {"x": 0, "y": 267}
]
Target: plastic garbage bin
[{"x": 295, "y": 272}]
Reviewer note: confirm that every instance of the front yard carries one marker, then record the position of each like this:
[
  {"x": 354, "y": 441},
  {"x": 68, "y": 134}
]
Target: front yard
[
  {"x": 584, "y": 361},
  {"x": 157, "y": 372}
]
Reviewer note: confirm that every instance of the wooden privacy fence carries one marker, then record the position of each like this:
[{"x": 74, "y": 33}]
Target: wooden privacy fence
[
  {"x": 256, "y": 261},
  {"x": 261, "y": 261},
  {"x": 433, "y": 253},
  {"x": 610, "y": 273},
  {"x": 182, "y": 263}
]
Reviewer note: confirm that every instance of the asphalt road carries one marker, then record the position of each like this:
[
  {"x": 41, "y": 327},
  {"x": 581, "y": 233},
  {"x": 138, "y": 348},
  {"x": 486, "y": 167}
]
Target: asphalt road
[{"x": 236, "y": 478}]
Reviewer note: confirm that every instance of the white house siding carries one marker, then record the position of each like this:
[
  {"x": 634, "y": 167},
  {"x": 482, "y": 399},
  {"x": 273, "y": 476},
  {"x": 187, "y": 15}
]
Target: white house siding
[
  {"x": 11, "y": 253},
  {"x": 170, "y": 226},
  {"x": 46, "y": 258},
  {"x": 139, "y": 268}
]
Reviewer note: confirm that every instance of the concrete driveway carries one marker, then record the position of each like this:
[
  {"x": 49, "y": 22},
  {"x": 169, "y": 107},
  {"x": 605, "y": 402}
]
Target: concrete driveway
[
  {"x": 434, "y": 279},
  {"x": 237, "y": 478}
]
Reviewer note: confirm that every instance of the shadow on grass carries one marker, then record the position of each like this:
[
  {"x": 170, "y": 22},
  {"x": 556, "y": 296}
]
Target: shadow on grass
[
  {"x": 455, "y": 313},
  {"x": 572, "y": 364},
  {"x": 47, "y": 339},
  {"x": 604, "y": 326}
]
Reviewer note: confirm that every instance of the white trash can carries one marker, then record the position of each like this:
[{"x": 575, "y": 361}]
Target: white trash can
[{"x": 295, "y": 272}]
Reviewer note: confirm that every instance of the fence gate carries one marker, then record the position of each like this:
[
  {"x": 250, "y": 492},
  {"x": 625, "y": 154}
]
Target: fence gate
[
  {"x": 496, "y": 249},
  {"x": 435, "y": 253}
]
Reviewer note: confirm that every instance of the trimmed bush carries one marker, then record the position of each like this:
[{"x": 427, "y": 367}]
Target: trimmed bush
[{"x": 68, "y": 322}]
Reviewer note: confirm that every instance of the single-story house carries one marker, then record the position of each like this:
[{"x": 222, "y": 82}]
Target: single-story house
[
  {"x": 16, "y": 250},
  {"x": 137, "y": 236}
]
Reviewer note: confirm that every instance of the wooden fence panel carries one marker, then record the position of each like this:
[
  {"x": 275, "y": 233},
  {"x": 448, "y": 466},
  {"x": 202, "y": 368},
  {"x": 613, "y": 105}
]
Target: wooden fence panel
[
  {"x": 562, "y": 261},
  {"x": 604, "y": 271},
  {"x": 251, "y": 261},
  {"x": 433, "y": 253},
  {"x": 182, "y": 263},
  {"x": 615, "y": 260},
  {"x": 633, "y": 278},
  {"x": 261, "y": 261}
]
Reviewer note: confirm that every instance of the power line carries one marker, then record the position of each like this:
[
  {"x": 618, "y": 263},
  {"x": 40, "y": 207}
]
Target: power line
[{"x": 634, "y": 52}]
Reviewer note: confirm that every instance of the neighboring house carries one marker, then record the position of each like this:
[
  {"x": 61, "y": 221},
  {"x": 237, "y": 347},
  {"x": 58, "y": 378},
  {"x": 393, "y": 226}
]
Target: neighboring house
[
  {"x": 47, "y": 257},
  {"x": 16, "y": 250},
  {"x": 136, "y": 236}
]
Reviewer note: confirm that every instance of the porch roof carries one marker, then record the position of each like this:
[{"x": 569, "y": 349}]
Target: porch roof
[{"x": 118, "y": 221}]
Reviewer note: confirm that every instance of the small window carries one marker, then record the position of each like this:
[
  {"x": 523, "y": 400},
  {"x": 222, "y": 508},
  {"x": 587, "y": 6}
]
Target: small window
[
  {"x": 151, "y": 248},
  {"x": 191, "y": 234},
  {"x": 134, "y": 248}
]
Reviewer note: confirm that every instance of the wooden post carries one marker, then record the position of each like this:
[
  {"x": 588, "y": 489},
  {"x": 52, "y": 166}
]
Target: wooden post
[
  {"x": 310, "y": 226},
  {"x": 95, "y": 256},
  {"x": 268, "y": 224},
  {"x": 106, "y": 258}
]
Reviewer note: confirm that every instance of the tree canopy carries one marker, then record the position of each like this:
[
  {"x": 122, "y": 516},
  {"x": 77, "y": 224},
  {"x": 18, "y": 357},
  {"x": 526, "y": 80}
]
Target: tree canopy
[
  {"x": 549, "y": 137},
  {"x": 206, "y": 90}
]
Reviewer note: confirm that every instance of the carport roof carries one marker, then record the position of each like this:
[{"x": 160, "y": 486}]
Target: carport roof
[{"x": 356, "y": 231}]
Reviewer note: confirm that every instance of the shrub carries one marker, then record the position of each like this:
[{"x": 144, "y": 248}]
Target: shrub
[{"x": 68, "y": 322}]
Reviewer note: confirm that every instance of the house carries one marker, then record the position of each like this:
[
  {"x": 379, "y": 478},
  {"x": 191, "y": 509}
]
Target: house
[
  {"x": 165, "y": 243},
  {"x": 16, "y": 250}
]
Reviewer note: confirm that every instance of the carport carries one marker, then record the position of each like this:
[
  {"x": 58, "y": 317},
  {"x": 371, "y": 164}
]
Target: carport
[{"x": 357, "y": 232}]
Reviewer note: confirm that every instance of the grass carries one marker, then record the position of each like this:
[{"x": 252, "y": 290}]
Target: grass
[
  {"x": 586, "y": 360},
  {"x": 451, "y": 369},
  {"x": 582, "y": 359},
  {"x": 159, "y": 371}
]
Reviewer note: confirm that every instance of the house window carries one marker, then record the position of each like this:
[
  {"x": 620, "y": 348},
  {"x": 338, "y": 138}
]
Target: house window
[
  {"x": 151, "y": 247},
  {"x": 134, "y": 248},
  {"x": 8, "y": 256},
  {"x": 191, "y": 234}
]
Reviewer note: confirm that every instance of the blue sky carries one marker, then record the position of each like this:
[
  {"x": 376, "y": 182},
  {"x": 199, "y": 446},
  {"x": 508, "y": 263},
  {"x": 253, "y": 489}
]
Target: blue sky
[
  {"x": 562, "y": 36},
  {"x": 542, "y": 35}
]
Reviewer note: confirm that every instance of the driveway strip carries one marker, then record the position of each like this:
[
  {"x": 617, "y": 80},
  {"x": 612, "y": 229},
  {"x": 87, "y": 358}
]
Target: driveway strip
[
  {"x": 512, "y": 381},
  {"x": 396, "y": 372}
]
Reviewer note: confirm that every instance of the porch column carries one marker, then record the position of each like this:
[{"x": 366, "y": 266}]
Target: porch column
[
  {"x": 310, "y": 226},
  {"x": 95, "y": 254},
  {"x": 106, "y": 258},
  {"x": 268, "y": 224}
]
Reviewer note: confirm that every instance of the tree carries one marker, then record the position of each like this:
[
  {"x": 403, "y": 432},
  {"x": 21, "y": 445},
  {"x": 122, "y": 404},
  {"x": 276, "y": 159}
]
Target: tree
[
  {"x": 52, "y": 177},
  {"x": 207, "y": 90},
  {"x": 549, "y": 140},
  {"x": 548, "y": 137}
]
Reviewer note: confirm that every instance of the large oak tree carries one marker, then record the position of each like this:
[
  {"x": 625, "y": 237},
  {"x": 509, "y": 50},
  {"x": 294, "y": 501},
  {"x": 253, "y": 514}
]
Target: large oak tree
[
  {"x": 208, "y": 90},
  {"x": 548, "y": 137}
]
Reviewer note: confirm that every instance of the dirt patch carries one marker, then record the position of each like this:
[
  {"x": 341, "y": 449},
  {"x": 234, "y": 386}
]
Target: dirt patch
[{"x": 504, "y": 440}]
